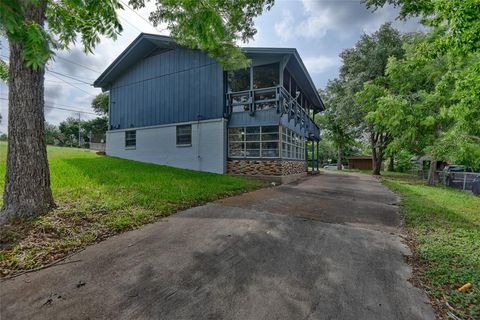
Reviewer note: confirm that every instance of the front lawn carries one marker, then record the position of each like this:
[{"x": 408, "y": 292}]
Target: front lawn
[
  {"x": 445, "y": 229},
  {"x": 99, "y": 196}
]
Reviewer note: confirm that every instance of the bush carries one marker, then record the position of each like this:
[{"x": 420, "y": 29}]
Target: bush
[{"x": 403, "y": 161}]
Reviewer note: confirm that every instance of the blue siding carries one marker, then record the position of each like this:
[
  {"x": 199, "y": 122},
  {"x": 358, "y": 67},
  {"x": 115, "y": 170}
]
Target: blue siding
[
  {"x": 260, "y": 118},
  {"x": 174, "y": 86},
  {"x": 265, "y": 118}
]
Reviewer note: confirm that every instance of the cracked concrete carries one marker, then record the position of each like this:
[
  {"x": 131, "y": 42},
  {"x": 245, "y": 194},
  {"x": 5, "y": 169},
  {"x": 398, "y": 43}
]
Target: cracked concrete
[{"x": 328, "y": 247}]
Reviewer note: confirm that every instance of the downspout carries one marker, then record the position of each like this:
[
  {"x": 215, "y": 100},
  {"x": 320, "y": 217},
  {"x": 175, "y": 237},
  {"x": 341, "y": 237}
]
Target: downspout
[{"x": 199, "y": 158}]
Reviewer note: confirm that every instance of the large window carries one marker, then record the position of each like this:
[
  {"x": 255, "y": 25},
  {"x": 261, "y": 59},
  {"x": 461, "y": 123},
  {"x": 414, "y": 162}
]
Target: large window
[
  {"x": 130, "y": 139},
  {"x": 253, "y": 142},
  {"x": 239, "y": 80},
  {"x": 266, "y": 76},
  {"x": 263, "y": 142},
  {"x": 184, "y": 135},
  {"x": 293, "y": 145}
]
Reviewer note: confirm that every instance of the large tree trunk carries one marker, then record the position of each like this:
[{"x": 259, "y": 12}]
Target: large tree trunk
[
  {"x": 432, "y": 173},
  {"x": 27, "y": 182},
  {"x": 377, "y": 155},
  {"x": 339, "y": 158},
  {"x": 377, "y": 164}
]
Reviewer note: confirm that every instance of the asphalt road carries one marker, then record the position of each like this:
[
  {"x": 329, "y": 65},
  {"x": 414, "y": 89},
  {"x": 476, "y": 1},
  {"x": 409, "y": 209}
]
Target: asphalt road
[{"x": 328, "y": 247}]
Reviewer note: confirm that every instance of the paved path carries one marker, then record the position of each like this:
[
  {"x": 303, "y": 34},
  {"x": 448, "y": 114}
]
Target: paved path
[{"x": 326, "y": 248}]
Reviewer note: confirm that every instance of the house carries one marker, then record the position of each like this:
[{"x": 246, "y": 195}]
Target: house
[{"x": 175, "y": 106}]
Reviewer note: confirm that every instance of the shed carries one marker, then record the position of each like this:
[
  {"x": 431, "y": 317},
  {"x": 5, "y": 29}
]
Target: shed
[{"x": 360, "y": 162}]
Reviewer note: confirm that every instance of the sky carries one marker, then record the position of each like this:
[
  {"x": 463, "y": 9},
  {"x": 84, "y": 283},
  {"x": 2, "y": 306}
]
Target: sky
[{"x": 319, "y": 29}]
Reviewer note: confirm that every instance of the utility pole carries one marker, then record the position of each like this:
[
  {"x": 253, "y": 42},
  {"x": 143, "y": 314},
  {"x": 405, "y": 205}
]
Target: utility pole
[{"x": 79, "y": 130}]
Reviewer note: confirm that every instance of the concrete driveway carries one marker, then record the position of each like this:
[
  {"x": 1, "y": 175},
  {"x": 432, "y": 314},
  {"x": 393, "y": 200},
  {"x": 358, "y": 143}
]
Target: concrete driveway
[{"x": 328, "y": 247}]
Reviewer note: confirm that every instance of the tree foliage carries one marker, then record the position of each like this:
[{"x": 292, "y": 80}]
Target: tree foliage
[
  {"x": 67, "y": 21},
  {"x": 363, "y": 70},
  {"x": 214, "y": 26},
  {"x": 100, "y": 103},
  {"x": 458, "y": 17},
  {"x": 3, "y": 71},
  {"x": 338, "y": 121}
]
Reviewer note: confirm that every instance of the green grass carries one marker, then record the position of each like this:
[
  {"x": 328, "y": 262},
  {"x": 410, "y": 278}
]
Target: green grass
[
  {"x": 98, "y": 196},
  {"x": 445, "y": 226}
]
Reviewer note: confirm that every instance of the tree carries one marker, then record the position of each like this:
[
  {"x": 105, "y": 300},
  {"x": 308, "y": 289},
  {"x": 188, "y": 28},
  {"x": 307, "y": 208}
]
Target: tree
[
  {"x": 459, "y": 18},
  {"x": 366, "y": 64},
  {"x": 51, "y": 133},
  {"x": 70, "y": 130},
  {"x": 419, "y": 106},
  {"x": 95, "y": 128},
  {"x": 100, "y": 103},
  {"x": 338, "y": 120},
  {"x": 3, "y": 70},
  {"x": 211, "y": 25}
]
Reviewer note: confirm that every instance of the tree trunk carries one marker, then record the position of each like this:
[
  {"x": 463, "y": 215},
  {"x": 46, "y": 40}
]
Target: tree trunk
[
  {"x": 432, "y": 173},
  {"x": 339, "y": 158},
  {"x": 377, "y": 158},
  {"x": 377, "y": 166},
  {"x": 391, "y": 164},
  {"x": 27, "y": 181}
]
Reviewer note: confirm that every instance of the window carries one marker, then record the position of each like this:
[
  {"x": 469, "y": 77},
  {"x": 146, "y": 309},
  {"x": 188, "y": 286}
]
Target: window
[
  {"x": 253, "y": 142},
  {"x": 239, "y": 80},
  {"x": 265, "y": 142},
  {"x": 184, "y": 135},
  {"x": 130, "y": 139},
  {"x": 293, "y": 145},
  {"x": 266, "y": 76}
]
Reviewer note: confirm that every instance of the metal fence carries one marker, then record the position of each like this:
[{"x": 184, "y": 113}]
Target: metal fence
[
  {"x": 97, "y": 146},
  {"x": 458, "y": 180}
]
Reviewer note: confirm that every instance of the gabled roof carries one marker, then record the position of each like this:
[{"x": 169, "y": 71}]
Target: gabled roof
[{"x": 146, "y": 43}]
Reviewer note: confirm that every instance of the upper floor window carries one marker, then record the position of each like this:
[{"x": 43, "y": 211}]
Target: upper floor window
[
  {"x": 130, "y": 139},
  {"x": 239, "y": 80},
  {"x": 266, "y": 76},
  {"x": 184, "y": 135}
]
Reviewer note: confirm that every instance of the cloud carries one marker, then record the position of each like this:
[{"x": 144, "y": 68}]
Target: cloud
[
  {"x": 320, "y": 64},
  {"x": 346, "y": 18},
  {"x": 284, "y": 28}
]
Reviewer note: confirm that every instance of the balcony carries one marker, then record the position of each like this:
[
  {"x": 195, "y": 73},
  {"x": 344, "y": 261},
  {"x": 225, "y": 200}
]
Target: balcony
[{"x": 277, "y": 103}]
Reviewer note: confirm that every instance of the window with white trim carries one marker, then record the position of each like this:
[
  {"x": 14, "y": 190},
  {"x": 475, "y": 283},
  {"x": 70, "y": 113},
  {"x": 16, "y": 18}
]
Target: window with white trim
[
  {"x": 130, "y": 139},
  {"x": 184, "y": 135}
]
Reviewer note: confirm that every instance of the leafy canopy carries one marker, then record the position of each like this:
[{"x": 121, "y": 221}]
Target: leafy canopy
[
  {"x": 67, "y": 21},
  {"x": 100, "y": 103},
  {"x": 215, "y": 26},
  {"x": 460, "y": 18}
]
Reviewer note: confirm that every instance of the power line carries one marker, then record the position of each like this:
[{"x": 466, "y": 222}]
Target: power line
[
  {"x": 128, "y": 22},
  {"x": 78, "y": 64},
  {"x": 141, "y": 17},
  {"x": 69, "y": 61},
  {"x": 53, "y": 81},
  {"x": 68, "y": 76},
  {"x": 65, "y": 109},
  {"x": 73, "y": 110},
  {"x": 72, "y": 85}
]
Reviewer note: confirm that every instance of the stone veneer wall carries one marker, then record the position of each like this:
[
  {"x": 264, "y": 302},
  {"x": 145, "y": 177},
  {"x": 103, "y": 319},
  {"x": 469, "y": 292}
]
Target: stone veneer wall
[{"x": 265, "y": 167}]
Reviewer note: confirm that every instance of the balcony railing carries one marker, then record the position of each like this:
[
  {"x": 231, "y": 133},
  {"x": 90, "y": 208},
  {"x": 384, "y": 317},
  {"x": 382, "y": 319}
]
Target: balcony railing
[{"x": 271, "y": 98}]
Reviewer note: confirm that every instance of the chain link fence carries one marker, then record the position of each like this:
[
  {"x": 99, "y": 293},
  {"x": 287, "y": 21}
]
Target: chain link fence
[{"x": 466, "y": 181}]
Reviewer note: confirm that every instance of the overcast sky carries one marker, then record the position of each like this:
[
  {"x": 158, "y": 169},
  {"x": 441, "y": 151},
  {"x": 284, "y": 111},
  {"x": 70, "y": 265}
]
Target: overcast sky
[{"x": 319, "y": 29}]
